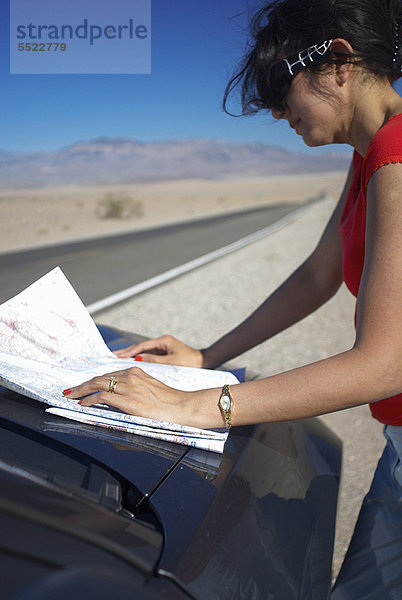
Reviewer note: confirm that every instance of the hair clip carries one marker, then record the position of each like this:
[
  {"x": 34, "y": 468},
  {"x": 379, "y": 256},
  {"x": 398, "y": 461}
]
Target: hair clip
[{"x": 299, "y": 60}]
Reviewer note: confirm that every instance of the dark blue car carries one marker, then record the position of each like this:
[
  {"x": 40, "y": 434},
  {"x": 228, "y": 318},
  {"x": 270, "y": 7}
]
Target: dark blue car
[{"x": 86, "y": 513}]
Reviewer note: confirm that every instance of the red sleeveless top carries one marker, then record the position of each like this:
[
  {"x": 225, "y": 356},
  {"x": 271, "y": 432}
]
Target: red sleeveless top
[{"x": 384, "y": 148}]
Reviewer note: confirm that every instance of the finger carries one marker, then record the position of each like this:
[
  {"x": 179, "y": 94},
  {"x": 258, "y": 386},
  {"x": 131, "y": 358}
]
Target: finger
[
  {"x": 125, "y": 352},
  {"x": 93, "y": 399},
  {"x": 156, "y": 345},
  {"x": 115, "y": 400},
  {"x": 101, "y": 383},
  {"x": 97, "y": 384},
  {"x": 94, "y": 385},
  {"x": 161, "y": 359}
]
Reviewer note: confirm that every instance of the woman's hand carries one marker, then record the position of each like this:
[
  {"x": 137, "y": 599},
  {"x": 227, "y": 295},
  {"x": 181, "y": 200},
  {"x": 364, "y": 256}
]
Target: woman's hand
[
  {"x": 166, "y": 349},
  {"x": 135, "y": 392}
]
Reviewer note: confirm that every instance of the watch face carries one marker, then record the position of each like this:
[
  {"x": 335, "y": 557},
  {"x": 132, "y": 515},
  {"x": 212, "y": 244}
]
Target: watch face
[{"x": 225, "y": 402}]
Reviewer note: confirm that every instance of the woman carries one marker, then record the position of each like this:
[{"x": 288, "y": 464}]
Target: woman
[{"x": 326, "y": 67}]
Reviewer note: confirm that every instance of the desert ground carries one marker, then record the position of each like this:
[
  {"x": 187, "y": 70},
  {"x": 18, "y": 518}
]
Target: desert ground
[{"x": 37, "y": 217}]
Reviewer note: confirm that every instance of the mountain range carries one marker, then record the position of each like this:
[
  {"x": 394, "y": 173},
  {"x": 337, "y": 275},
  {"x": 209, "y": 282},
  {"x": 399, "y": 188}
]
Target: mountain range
[{"x": 119, "y": 160}]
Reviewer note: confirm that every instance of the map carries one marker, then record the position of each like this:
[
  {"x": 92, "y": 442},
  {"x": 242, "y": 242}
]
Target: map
[{"x": 48, "y": 341}]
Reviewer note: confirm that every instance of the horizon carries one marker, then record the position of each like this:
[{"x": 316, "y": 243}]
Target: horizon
[
  {"x": 337, "y": 149},
  {"x": 118, "y": 160}
]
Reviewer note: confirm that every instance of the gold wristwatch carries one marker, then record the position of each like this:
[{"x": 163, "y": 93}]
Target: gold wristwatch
[{"x": 226, "y": 404}]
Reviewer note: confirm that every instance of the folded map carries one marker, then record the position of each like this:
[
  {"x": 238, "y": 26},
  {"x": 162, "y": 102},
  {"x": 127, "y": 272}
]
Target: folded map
[{"x": 48, "y": 342}]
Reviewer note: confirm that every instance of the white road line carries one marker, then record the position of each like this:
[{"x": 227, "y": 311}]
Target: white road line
[{"x": 193, "y": 264}]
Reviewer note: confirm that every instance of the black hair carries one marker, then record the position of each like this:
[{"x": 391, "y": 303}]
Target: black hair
[{"x": 284, "y": 27}]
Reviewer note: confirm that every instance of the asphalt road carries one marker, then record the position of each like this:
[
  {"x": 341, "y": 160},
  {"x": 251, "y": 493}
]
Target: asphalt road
[{"x": 103, "y": 266}]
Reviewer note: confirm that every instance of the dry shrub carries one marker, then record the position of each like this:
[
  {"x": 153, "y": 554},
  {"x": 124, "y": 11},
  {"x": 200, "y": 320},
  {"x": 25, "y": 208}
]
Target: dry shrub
[{"x": 119, "y": 206}]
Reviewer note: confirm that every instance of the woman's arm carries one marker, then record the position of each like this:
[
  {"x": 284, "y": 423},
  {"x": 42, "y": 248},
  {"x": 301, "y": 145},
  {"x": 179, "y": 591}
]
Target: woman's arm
[
  {"x": 310, "y": 286},
  {"x": 370, "y": 371}
]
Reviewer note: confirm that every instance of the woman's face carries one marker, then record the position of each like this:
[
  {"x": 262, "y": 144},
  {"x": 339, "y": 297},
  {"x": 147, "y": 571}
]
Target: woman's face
[{"x": 315, "y": 108}]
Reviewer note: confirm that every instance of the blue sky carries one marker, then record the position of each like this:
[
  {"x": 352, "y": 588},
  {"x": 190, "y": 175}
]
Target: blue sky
[{"x": 195, "y": 46}]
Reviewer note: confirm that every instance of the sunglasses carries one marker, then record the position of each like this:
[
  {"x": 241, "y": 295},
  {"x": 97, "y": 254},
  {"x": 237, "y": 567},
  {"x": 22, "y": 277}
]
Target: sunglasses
[{"x": 277, "y": 82}]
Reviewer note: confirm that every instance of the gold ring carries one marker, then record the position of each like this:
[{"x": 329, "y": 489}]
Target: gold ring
[{"x": 112, "y": 385}]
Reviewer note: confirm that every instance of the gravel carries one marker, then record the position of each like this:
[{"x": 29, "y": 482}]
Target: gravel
[{"x": 202, "y": 305}]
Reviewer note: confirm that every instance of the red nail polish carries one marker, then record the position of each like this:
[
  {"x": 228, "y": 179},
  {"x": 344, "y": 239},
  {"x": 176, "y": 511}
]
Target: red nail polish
[
  {"x": 66, "y": 392},
  {"x": 79, "y": 401},
  {"x": 138, "y": 358}
]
